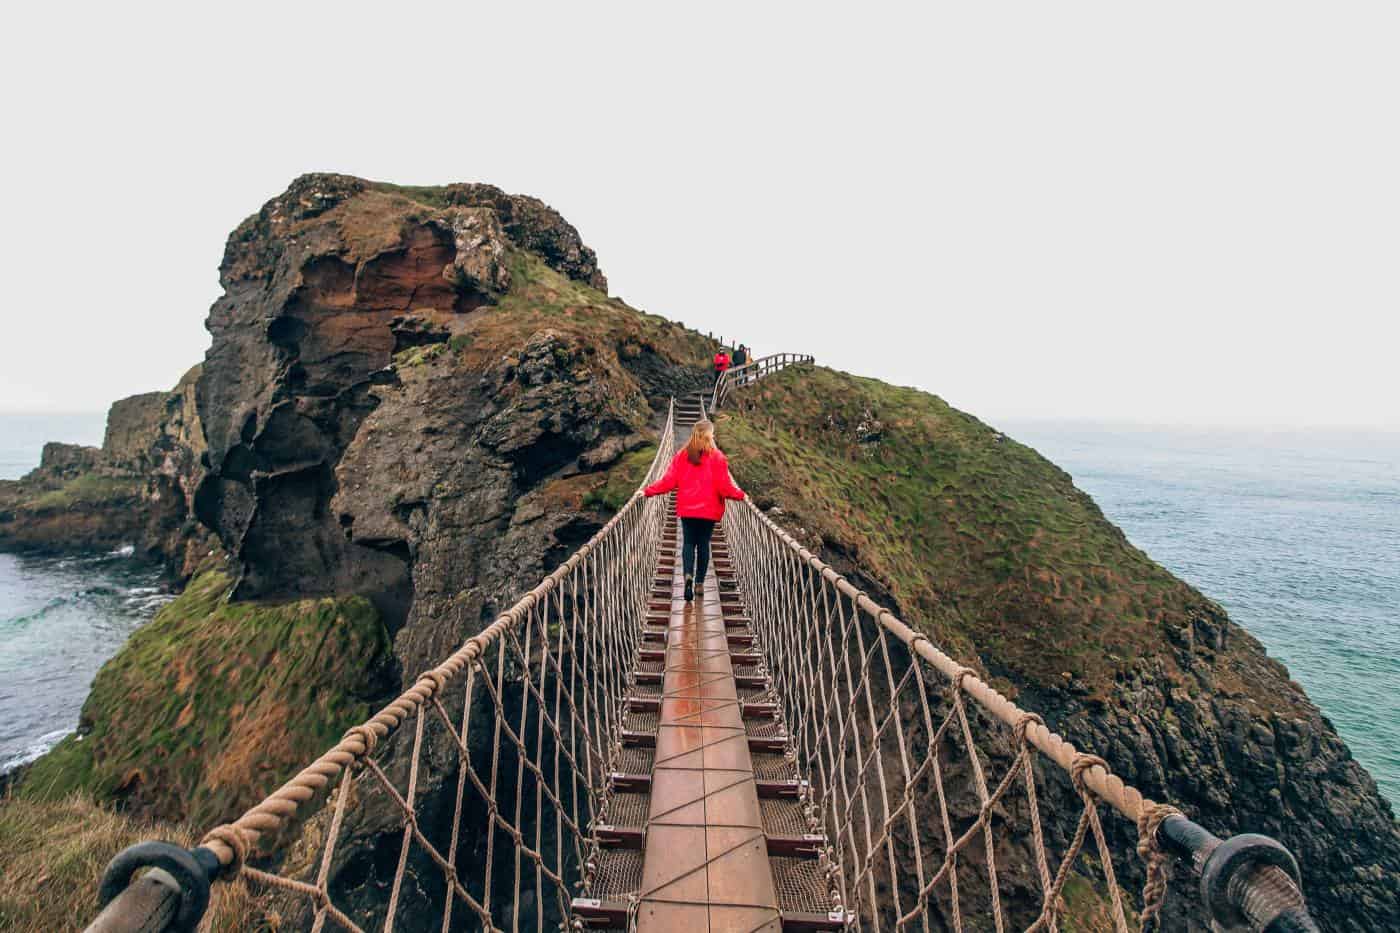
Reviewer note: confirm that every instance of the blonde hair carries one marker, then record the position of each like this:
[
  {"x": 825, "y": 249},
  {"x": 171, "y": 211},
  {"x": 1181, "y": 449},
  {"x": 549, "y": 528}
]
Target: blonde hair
[{"x": 702, "y": 441}]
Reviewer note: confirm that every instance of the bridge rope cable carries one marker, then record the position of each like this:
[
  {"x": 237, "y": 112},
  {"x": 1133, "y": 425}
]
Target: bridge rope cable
[{"x": 921, "y": 778}]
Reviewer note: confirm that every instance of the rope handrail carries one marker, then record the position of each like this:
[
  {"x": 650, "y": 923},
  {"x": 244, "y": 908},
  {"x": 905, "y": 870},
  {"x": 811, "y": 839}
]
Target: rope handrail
[{"x": 1124, "y": 798}]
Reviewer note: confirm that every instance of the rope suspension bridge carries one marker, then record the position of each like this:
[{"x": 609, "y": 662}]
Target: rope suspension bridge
[{"x": 782, "y": 754}]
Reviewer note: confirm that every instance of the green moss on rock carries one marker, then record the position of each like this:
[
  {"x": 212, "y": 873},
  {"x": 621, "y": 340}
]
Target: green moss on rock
[
  {"x": 417, "y": 356},
  {"x": 213, "y": 704},
  {"x": 621, "y": 480},
  {"x": 89, "y": 490}
]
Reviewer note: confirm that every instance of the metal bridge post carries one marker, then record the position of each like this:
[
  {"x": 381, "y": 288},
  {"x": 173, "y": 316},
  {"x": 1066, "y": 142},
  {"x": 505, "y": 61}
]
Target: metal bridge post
[
  {"x": 1248, "y": 882},
  {"x": 169, "y": 898}
]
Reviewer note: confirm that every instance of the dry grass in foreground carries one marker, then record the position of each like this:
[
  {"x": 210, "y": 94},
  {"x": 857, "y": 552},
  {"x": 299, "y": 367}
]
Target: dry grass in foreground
[{"x": 53, "y": 853}]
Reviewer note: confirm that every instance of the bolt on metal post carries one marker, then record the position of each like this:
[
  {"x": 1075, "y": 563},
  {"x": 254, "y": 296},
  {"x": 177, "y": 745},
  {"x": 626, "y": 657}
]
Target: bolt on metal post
[{"x": 1248, "y": 882}]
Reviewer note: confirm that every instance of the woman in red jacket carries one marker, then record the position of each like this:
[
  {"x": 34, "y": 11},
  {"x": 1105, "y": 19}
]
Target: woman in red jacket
[{"x": 700, "y": 476}]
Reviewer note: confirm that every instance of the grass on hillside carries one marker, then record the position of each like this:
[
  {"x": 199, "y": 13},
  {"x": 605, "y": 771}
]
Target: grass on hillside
[
  {"x": 52, "y": 854},
  {"x": 983, "y": 543},
  {"x": 435, "y": 196},
  {"x": 88, "y": 489},
  {"x": 213, "y": 704}
]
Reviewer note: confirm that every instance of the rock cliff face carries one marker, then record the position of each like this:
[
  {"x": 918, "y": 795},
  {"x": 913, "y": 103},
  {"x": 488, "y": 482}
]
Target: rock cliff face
[
  {"x": 418, "y": 400},
  {"x": 400, "y": 381},
  {"x": 136, "y": 489}
]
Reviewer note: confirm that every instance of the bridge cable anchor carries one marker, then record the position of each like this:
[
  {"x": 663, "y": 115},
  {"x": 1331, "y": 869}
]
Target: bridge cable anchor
[
  {"x": 177, "y": 874},
  {"x": 1248, "y": 882}
]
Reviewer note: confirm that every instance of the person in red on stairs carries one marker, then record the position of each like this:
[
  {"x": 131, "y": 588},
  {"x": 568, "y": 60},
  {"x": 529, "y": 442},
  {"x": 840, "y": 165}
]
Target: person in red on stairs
[
  {"x": 721, "y": 364},
  {"x": 700, "y": 475}
]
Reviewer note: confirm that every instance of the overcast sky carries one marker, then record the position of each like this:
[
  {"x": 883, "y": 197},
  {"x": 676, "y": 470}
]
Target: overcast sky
[{"x": 1184, "y": 213}]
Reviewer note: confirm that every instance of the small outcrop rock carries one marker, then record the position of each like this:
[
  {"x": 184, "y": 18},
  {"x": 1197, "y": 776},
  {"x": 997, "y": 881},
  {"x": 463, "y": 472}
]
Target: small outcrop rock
[
  {"x": 532, "y": 225},
  {"x": 480, "y": 244},
  {"x": 135, "y": 490}
]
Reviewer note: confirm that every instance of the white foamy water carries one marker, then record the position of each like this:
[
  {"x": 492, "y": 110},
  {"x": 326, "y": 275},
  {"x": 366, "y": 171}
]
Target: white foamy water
[{"x": 60, "y": 617}]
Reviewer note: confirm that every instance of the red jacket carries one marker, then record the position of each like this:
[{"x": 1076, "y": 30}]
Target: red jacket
[
  {"x": 702, "y": 487},
  {"x": 721, "y": 362}
]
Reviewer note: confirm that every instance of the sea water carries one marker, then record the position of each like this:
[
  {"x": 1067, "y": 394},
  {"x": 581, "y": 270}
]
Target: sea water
[
  {"x": 1295, "y": 533},
  {"x": 60, "y": 617}
]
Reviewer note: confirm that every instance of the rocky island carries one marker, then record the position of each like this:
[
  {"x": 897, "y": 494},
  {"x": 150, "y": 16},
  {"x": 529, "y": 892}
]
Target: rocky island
[{"x": 418, "y": 401}]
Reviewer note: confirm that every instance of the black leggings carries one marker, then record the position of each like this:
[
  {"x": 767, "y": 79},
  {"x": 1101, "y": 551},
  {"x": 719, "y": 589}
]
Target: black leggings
[{"x": 695, "y": 546}]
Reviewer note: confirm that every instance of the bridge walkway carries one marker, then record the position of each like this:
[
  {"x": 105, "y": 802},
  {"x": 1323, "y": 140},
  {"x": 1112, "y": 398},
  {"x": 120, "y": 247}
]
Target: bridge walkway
[{"x": 707, "y": 828}]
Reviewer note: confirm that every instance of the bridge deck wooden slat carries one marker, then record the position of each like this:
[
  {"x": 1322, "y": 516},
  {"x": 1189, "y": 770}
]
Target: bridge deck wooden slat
[{"x": 705, "y": 862}]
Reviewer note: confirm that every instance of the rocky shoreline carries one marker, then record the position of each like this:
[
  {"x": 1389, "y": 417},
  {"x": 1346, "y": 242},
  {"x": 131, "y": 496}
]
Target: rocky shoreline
[{"x": 137, "y": 489}]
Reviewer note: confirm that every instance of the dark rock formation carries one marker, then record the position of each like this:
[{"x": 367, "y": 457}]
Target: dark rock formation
[
  {"x": 381, "y": 392},
  {"x": 136, "y": 489}
]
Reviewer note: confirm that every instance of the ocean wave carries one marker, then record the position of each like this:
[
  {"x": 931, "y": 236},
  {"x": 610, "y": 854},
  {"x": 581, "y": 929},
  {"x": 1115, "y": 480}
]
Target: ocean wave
[
  {"x": 147, "y": 604},
  {"x": 34, "y": 750},
  {"x": 20, "y": 621}
]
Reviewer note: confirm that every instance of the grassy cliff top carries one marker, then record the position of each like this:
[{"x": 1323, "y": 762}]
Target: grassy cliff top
[
  {"x": 212, "y": 704},
  {"x": 541, "y": 297},
  {"x": 977, "y": 539}
]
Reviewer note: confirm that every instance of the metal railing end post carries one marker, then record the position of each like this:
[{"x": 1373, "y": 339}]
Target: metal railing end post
[
  {"x": 1248, "y": 881},
  {"x": 171, "y": 896}
]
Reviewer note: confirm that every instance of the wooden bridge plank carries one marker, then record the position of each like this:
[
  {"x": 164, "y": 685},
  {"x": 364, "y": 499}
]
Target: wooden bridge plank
[{"x": 705, "y": 860}]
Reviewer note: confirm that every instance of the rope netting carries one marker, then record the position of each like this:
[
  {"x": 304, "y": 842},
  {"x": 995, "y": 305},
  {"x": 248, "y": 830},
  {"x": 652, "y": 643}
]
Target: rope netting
[
  {"x": 469, "y": 799},
  {"x": 925, "y": 780}
]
